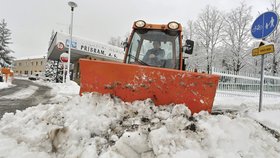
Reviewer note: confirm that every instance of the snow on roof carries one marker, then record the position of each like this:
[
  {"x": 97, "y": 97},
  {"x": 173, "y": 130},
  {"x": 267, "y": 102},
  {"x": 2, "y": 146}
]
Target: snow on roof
[
  {"x": 91, "y": 40},
  {"x": 32, "y": 57}
]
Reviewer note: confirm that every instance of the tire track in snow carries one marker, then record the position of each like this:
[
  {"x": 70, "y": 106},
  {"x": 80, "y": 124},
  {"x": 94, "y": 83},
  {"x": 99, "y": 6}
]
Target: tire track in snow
[{"x": 22, "y": 94}]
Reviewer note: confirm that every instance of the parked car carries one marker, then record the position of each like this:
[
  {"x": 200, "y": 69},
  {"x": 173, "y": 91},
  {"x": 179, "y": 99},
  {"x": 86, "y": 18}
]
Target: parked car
[
  {"x": 34, "y": 77},
  {"x": 39, "y": 76}
]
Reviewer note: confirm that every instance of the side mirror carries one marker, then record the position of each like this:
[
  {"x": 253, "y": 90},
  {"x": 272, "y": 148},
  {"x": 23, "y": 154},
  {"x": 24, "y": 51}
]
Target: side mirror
[
  {"x": 125, "y": 44},
  {"x": 188, "y": 47}
]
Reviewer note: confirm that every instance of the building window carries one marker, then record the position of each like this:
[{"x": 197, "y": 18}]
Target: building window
[
  {"x": 36, "y": 63},
  {"x": 26, "y": 72},
  {"x": 32, "y": 63},
  {"x": 20, "y": 72},
  {"x": 19, "y": 64},
  {"x": 31, "y": 72},
  {"x": 41, "y": 62},
  {"x": 16, "y": 71}
]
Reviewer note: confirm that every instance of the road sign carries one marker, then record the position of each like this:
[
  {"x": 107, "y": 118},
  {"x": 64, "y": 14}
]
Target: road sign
[
  {"x": 255, "y": 52},
  {"x": 264, "y": 25},
  {"x": 73, "y": 44},
  {"x": 64, "y": 60},
  {"x": 265, "y": 49},
  {"x": 262, "y": 50},
  {"x": 64, "y": 57},
  {"x": 60, "y": 46}
]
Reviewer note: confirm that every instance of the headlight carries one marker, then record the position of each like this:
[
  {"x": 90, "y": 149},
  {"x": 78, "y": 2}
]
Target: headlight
[
  {"x": 140, "y": 23},
  {"x": 173, "y": 25}
]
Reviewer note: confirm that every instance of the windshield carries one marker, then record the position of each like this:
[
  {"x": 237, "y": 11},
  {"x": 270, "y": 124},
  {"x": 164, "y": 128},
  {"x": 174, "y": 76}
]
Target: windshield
[{"x": 154, "y": 48}]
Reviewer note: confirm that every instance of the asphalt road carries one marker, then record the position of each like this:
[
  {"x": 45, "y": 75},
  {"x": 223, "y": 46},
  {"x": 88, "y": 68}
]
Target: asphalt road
[{"x": 41, "y": 95}]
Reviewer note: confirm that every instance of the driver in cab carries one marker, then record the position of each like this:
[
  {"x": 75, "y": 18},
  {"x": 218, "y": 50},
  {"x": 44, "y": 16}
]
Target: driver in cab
[{"x": 155, "y": 55}]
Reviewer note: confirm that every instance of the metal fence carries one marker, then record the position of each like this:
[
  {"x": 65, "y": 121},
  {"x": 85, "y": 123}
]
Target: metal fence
[{"x": 246, "y": 82}]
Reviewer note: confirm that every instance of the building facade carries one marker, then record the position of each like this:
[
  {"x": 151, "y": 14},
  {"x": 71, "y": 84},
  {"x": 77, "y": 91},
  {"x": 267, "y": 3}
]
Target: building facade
[
  {"x": 29, "y": 66},
  {"x": 82, "y": 48}
]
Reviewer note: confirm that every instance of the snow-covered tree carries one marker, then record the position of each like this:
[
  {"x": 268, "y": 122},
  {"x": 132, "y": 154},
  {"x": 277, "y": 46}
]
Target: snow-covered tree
[
  {"x": 237, "y": 38},
  {"x": 273, "y": 60},
  {"x": 54, "y": 71},
  {"x": 116, "y": 41},
  {"x": 197, "y": 59},
  {"x": 188, "y": 31},
  {"x": 5, "y": 37},
  {"x": 208, "y": 29},
  {"x": 194, "y": 61}
]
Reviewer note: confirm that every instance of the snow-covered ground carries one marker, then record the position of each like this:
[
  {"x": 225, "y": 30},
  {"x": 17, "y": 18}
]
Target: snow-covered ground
[
  {"x": 95, "y": 125},
  {"x": 61, "y": 92},
  {"x": 24, "y": 93},
  {"x": 237, "y": 100},
  {"x": 4, "y": 85},
  {"x": 270, "y": 118}
]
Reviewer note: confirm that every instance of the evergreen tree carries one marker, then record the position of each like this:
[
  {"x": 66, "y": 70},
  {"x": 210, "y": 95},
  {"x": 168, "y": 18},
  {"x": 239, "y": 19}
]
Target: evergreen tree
[{"x": 5, "y": 37}]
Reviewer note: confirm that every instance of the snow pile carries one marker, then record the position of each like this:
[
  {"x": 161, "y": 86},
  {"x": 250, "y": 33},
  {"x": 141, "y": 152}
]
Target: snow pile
[
  {"x": 95, "y": 125},
  {"x": 270, "y": 118},
  {"x": 61, "y": 92},
  {"x": 5, "y": 85},
  {"x": 70, "y": 87}
]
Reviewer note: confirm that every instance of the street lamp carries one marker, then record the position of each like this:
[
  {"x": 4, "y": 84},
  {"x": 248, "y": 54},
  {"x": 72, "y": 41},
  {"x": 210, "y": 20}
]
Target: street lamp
[{"x": 72, "y": 5}]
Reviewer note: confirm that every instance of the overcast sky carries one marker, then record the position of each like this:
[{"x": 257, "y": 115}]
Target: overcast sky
[{"x": 32, "y": 21}]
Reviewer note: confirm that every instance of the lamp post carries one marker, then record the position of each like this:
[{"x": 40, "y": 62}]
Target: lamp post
[{"x": 72, "y": 5}]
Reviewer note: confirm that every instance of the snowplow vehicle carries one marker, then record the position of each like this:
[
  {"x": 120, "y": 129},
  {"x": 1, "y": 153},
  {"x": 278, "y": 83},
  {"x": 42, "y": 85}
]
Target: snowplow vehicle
[{"x": 154, "y": 68}]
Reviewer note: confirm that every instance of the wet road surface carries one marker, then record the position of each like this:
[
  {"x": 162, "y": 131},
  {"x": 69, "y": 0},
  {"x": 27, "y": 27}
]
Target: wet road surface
[{"x": 41, "y": 95}]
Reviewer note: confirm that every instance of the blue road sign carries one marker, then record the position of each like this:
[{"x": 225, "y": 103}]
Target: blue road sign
[
  {"x": 265, "y": 24},
  {"x": 73, "y": 45}
]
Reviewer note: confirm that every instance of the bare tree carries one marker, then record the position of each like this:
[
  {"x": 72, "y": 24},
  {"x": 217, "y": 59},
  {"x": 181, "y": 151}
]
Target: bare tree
[
  {"x": 193, "y": 61},
  {"x": 237, "y": 37},
  {"x": 188, "y": 31},
  {"x": 208, "y": 31}
]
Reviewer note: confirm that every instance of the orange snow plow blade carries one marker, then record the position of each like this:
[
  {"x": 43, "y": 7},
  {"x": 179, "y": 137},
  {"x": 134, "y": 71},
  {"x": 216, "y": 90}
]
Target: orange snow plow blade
[{"x": 135, "y": 82}]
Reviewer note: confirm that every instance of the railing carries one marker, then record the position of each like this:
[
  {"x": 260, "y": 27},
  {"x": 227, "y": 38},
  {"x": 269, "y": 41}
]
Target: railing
[{"x": 246, "y": 82}]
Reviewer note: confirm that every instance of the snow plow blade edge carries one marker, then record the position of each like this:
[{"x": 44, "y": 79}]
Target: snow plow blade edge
[{"x": 136, "y": 82}]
